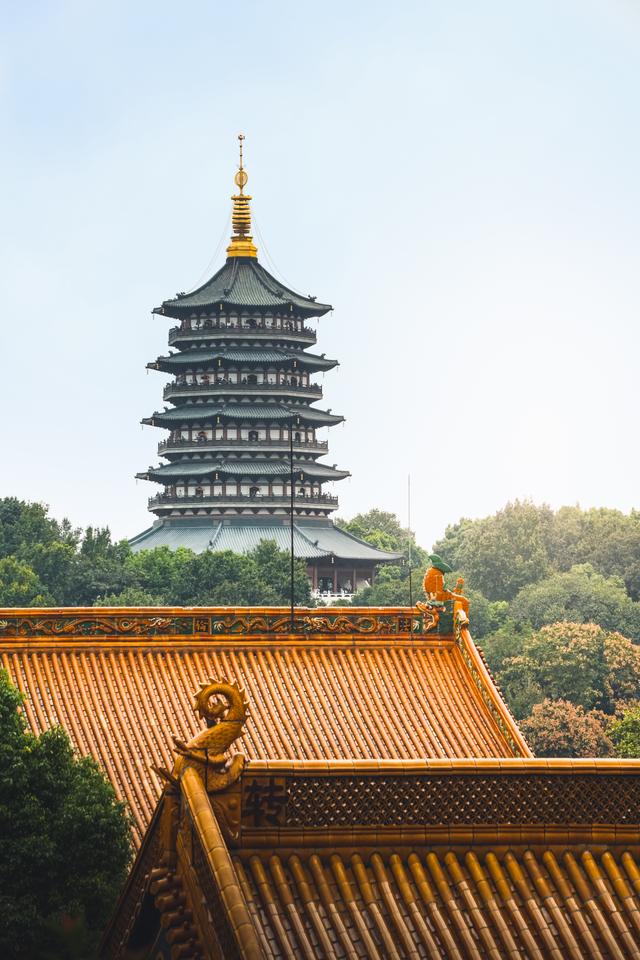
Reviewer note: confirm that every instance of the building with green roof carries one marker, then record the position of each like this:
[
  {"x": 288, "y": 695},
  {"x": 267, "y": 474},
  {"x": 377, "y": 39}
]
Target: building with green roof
[{"x": 242, "y": 454}]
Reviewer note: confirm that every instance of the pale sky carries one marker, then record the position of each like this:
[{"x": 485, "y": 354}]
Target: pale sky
[{"x": 459, "y": 179}]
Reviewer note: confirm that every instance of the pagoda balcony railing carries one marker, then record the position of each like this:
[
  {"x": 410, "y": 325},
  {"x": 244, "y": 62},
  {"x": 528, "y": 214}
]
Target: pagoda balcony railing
[
  {"x": 185, "y": 446},
  {"x": 220, "y": 500},
  {"x": 218, "y": 388},
  {"x": 305, "y": 335}
]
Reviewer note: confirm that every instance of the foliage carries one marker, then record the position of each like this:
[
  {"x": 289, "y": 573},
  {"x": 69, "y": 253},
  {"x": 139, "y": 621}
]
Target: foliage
[
  {"x": 23, "y": 523},
  {"x": 558, "y": 728},
  {"x": 525, "y": 543},
  {"x": 66, "y": 840},
  {"x": 625, "y": 733},
  {"x": 505, "y": 642},
  {"x": 396, "y": 584},
  {"x": 384, "y": 531},
  {"x": 581, "y": 595},
  {"x": 20, "y": 586},
  {"x": 503, "y": 553},
  {"x": 581, "y": 663}
]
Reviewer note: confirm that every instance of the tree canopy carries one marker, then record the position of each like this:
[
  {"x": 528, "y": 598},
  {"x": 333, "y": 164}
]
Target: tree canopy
[
  {"x": 46, "y": 563},
  {"x": 581, "y": 663},
  {"x": 524, "y": 543},
  {"x": 66, "y": 841},
  {"x": 559, "y": 728}
]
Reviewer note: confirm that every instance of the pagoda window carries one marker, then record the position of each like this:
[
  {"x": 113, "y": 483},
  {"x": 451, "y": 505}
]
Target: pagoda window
[
  {"x": 277, "y": 490},
  {"x": 253, "y": 435},
  {"x": 199, "y": 492},
  {"x": 252, "y": 378},
  {"x": 202, "y": 436},
  {"x": 254, "y": 492},
  {"x": 297, "y": 437},
  {"x": 232, "y": 433}
]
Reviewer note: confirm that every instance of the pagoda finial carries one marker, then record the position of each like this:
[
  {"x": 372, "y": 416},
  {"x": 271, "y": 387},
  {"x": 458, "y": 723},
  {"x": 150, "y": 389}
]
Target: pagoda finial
[{"x": 241, "y": 242}]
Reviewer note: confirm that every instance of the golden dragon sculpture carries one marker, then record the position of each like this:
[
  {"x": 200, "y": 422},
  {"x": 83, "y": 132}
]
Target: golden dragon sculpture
[{"x": 223, "y": 706}]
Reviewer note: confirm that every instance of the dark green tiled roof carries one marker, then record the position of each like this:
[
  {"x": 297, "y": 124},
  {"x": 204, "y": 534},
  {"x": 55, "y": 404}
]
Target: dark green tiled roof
[
  {"x": 243, "y": 283},
  {"x": 312, "y": 539},
  {"x": 206, "y": 412},
  {"x": 275, "y": 355},
  {"x": 237, "y": 467}
]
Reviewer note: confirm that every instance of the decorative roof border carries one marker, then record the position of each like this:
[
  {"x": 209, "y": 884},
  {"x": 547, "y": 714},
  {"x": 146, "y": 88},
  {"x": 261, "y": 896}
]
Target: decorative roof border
[
  {"x": 520, "y": 793},
  {"x": 487, "y": 688},
  {"x": 214, "y": 622}
]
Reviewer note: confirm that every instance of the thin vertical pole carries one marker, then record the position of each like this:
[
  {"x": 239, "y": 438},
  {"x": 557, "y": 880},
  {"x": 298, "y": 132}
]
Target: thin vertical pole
[
  {"x": 409, "y": 525},
  {"x": 291, "y": 522}
]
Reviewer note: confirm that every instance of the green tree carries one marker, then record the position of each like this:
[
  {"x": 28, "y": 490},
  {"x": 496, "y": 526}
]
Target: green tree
[
  {"x": 160, "y": 571},
  {"x": 20, "y": 586},
  {"x": 100, "y": 567},
  {"x": 504, "y": 642},
  {"x": 607, "y": 539},
  {"x": 24, "y": 524},
  {"x": 503, "y": 553},
  {"x": 131, "y": 597},
  {"x": 558, "y": 728},
  {"x": 226, "y": 578},
  {"x": 582, "y": 596},
  {"x": 66, "y": 841},
  {"x": 581, "y": 663},
  {"x": 383, "y": 530},
  {"x": 625, "y": 733}
]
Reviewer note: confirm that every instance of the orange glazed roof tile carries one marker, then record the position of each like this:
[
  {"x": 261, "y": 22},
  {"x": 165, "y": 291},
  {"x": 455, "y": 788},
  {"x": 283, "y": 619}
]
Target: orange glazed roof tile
[
  {"x": 352, "y": 683},
  {"x": 530, "y": 859}
]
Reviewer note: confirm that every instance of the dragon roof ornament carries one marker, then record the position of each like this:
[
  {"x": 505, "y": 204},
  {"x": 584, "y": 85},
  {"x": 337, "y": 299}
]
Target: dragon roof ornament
[{"x": 224, "y": 708}]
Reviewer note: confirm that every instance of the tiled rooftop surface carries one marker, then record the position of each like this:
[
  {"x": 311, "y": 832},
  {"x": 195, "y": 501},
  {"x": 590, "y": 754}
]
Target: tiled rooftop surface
[
  {"x": 394, "y": 904},
  {"x": 345, "y": 696}
]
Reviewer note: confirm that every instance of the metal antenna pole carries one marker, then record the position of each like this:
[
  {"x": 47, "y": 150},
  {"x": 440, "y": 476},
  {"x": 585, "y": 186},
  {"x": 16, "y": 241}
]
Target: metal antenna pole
[
  {"x": 291, "y": 523},
  {"x": 409, "y": 524}
]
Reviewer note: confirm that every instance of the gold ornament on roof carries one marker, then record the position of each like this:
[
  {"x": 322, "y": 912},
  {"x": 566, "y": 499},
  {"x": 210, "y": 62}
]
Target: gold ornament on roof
[
  {"x": 242, "y": 244},
  {"x": 224, "y": 708}
]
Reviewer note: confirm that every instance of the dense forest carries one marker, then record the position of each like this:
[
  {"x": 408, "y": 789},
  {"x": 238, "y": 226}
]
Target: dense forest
[{"x": 555, "y": 600}]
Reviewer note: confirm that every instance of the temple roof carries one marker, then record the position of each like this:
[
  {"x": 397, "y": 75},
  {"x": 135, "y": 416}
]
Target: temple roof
[
  {"x": 240, "y": 411},
  {"x": 239, "y": 467},
  {"x": 312, "y": 538},
  {"x": 348, "y": 683},
  {"x": 240, "y": 284},
  {"x": 274, "y": 355},
  {"x": 241, "y": 535}
]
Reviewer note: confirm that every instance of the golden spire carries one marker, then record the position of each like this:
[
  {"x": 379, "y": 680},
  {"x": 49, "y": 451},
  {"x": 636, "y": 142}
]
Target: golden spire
[{"x": 241, "y": 242}]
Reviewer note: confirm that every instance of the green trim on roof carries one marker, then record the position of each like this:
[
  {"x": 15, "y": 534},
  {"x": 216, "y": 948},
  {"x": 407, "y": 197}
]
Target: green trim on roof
[
  {"x": 197, "y": 357},
  {"x": 207, "y": 412},
  {"x": 232, "y": 467},
  {"x": 312, "y": 539},
  {"x": 243, "y": 283}
]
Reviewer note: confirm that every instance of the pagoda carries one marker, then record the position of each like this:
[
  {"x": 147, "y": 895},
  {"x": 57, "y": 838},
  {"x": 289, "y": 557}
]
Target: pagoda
[{"x": 242, "y": 456}]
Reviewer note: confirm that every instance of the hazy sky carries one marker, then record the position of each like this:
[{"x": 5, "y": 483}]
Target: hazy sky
[{"x": 459, "y": 179}]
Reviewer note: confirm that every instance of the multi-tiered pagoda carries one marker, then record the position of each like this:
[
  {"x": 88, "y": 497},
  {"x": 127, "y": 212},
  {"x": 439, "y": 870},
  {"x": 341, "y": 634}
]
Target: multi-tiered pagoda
[{"x": 242, "y": 451}]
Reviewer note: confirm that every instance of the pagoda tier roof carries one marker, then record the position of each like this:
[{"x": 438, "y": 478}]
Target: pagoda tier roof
[
  {"x": 243, "y": 283},
  {"x": 272, "y": 355},
  {"x": 313, "y": 539},
  {"x": 236, "y": 467},
  {"x": 345, "y": 683},
  {"x": 205, "y": 412}
]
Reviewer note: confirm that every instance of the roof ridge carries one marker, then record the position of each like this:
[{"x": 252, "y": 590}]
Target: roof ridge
[
  {"x": 312, "y": 543},
  {"x": 212, "y": 541}
]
